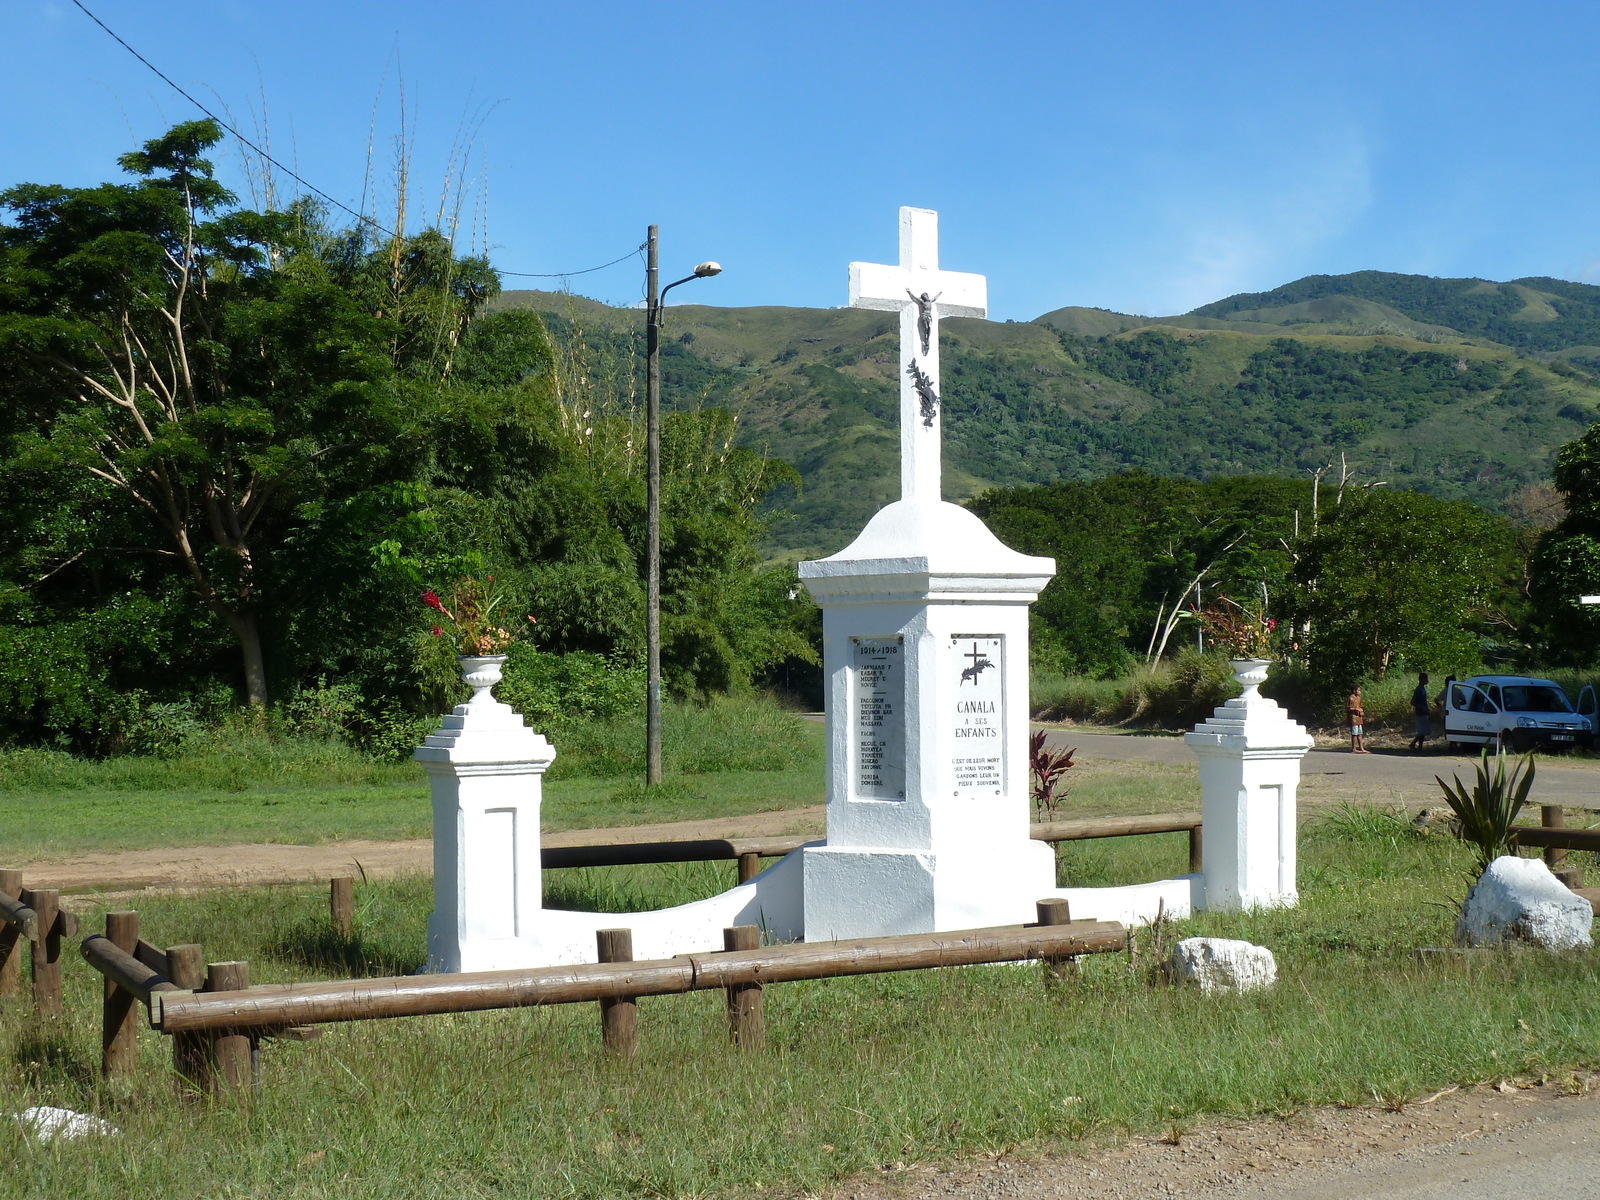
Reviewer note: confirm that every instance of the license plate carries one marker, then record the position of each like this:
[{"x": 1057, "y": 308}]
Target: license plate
[{"x": 1560, "y": 737}]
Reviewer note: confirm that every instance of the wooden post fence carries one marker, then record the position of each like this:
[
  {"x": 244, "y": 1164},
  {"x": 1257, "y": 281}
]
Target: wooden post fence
[
  {"x": 46, "y": 953},
  {"x": 746, "y": 1018},
  {"x": 10, "y": 934},
  {"x": 418, "y": 995},
  {"x": 186, "y": 969},
  {"x": 342, "y": 905},
  {"x": 231, "y": 1051},
  {"x": 1055, "y": 911},
  {"x": 119, "y": 1029},
  {"x": 619, "y": 1015},
  {"x": 1553, "y": 816}
]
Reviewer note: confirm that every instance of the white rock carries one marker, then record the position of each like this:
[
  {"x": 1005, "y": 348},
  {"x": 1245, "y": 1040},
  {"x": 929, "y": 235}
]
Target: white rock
[
  {"x": 47, "y": 1124},
  {"x": 1518, "y": 899},
  {"x": 1222, "y": 964}
]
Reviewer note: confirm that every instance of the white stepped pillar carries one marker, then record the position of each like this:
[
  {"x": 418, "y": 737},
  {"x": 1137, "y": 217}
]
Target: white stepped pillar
[
  {"x": 1250, "y": 752},
  {"x": 485, "y": 769}
]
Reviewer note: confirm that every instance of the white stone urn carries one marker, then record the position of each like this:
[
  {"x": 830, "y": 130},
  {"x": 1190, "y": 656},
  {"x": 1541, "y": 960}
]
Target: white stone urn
[
  {"x": 1251, "y": 674},
  {"x": 481, "y": 674}
]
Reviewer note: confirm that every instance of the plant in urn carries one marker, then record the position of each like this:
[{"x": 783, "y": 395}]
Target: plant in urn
[
  {"x": 1247, "y": 634},
  {"x": 469, "y": 608}
]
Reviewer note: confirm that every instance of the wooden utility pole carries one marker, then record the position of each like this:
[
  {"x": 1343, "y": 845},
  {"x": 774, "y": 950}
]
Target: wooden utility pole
[{"x": 652, "y": 552}]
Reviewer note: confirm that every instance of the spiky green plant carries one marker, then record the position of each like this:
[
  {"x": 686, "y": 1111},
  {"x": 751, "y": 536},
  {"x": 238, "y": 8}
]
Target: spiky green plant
[{"x": 1488, "y": 811}]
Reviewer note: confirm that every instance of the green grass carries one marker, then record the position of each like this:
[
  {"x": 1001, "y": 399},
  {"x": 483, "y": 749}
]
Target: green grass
[
  {"x": 724, "y": 760},
  {"x": 860, "y": 1074}
]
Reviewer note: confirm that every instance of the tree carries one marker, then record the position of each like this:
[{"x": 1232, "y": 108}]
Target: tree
[
  {"x": 1566, "y": 563},
  {"x": 207, "y": 372},
  {"x": 1399, "y": 575}
]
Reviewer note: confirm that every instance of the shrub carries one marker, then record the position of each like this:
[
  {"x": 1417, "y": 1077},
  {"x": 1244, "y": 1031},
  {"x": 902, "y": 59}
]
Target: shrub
[{"x": 1488, "y": 812}]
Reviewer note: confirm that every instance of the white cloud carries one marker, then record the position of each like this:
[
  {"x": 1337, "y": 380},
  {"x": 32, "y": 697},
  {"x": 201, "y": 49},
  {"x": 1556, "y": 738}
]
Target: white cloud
[{"x": 1254, "y": 227}]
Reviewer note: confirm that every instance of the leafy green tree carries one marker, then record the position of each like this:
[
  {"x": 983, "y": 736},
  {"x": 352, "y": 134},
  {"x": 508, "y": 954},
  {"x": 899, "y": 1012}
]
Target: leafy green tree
[
  {"x": 1566, "y": 563},
  {"x": 1399, "y": 575},
  {"x": 202, "y": 382}
]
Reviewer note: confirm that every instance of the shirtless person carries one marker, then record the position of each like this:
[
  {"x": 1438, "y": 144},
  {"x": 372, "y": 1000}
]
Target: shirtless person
[{"x": 1357, "y": 717}]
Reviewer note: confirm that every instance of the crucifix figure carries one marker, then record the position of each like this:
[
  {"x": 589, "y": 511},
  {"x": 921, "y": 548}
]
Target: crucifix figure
[
  {"x": 924, "y": 305},
  {"x": 921, "y": 293}
]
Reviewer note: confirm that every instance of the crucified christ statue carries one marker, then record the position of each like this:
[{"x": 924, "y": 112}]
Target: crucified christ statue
[{"x": 924, "y": 305}]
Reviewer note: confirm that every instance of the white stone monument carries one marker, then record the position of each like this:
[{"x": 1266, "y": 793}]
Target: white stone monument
[
  {"x": 925, "y": 652},
  {"x": 1250, "y": 752}
]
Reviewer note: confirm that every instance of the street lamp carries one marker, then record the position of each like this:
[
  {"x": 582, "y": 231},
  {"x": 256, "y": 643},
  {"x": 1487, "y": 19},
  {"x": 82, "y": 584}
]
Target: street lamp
[{"x": 652, "y": 588}]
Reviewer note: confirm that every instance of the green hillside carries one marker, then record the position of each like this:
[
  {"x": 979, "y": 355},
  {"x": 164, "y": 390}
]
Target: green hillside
[
  {"x": 1535, "y": 314},
  {"x": 1282, "y": 384}
]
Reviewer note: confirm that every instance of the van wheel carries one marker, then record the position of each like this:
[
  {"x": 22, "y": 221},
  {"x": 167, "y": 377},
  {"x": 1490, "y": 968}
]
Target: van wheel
[{"x": 1521, "y": 741}]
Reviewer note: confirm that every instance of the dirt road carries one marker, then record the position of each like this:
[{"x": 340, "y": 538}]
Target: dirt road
[
  {"x": 1408, "y": 777},
  {"x": 200, "y": 867},
  {"x": 1480, "y": 1143}
]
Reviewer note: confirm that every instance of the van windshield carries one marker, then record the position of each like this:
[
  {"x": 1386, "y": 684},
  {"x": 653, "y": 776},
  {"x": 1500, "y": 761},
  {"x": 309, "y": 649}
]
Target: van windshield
[{"x": 1536, "y": 699}]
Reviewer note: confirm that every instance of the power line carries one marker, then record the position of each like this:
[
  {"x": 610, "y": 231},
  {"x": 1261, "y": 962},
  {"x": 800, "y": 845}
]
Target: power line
[
  {"x": 564, "y": 274},
  {"x": 303, "y": 182}
]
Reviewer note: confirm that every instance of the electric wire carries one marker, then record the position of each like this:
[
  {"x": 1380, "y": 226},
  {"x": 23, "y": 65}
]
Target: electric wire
[{"x": 301, "y": 180}]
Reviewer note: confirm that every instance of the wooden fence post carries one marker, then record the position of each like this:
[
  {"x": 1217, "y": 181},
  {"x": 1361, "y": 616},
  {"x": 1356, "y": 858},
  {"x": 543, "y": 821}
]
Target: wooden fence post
[
  {"x": 1196, "y": 847},
  {"x": 119, "y": 1028},
  {"x": 10, "y": 939},
  {"x": 746, "y": 1021},
  {"x": 46, "y": 955},
  {"x": 1553, "y": 816},
  {"x": 619, "y": 1017},
  {"x": 232, "y": 1068},
  {"x": 1055, "y": 911},
  {"x": 749, "y": 866},
  {"x": 342, "y": 905},
  {"x": 186, "y": 968}
]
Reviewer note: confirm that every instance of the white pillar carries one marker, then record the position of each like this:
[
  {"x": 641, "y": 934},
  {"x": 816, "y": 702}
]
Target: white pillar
[
  {"x": 925, "y": 650},
  {"x": 485, "y": 769},
  {"x": 1250, "y": 754}
]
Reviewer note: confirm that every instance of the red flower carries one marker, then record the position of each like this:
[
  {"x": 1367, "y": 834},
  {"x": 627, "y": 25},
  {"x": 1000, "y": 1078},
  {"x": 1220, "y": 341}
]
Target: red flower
[
  {"x": 431, "y": 599},
  {"x": 436, "y": 631}
]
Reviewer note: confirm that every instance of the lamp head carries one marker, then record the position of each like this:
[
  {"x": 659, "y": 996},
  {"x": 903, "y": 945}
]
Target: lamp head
[{"x": 707, "y": 269}]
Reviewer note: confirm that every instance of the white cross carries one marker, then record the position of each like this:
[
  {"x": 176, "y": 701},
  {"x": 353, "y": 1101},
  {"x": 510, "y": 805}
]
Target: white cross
[{"x": 921, "y": 294}]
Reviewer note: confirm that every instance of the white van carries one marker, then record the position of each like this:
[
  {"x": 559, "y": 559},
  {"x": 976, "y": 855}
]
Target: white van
[{"x": 1517, "y": 712}]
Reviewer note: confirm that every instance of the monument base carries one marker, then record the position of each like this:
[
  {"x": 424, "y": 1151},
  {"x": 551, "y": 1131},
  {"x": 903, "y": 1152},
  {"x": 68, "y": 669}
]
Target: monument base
[{"x": 854, "y": 892}]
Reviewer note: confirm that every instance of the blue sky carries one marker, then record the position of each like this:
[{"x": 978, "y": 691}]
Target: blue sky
[{"x": 1145, "y": 158}]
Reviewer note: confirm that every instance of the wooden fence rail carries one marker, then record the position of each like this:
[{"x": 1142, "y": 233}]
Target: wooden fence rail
[
  {"x": 748, "y": 851},
  {"x": 1558, "y": 838},
  {"x": 420, "y": 995}
]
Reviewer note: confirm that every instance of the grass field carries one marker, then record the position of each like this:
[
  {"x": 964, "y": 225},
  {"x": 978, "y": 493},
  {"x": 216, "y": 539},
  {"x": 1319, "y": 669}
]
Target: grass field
[
  {"x": 730, "y": 759},
  {"x": 860, "y": 1074}
]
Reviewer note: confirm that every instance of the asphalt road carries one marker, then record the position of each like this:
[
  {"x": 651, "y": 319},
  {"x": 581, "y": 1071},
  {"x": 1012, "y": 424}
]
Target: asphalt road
[
  {"x": 1412, "y": 775},
  {"x": 1555, "y": 1155}
]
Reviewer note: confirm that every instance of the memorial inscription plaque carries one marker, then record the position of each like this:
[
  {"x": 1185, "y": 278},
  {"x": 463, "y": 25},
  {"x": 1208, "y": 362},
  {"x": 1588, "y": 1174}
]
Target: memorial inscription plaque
[
  {"x": 975, "y": 721},
  {"x": 878, "y": 718}
]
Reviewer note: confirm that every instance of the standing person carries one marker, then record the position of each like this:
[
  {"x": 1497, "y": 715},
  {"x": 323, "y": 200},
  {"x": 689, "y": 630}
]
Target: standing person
[
  {"x": 1419, "y": 705},
  {"x": 1357, "y": 716}
]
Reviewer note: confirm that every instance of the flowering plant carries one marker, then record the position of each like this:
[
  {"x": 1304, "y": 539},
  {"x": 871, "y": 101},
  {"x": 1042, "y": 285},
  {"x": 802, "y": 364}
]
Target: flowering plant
[
  {"x": 469, "y": 605},
  {"x": 1244, "y": 630}
]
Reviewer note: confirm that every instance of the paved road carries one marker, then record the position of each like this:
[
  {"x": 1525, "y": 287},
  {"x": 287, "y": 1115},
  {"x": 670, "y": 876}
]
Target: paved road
[
  {"x": 1557, "y": 1154},
  {"x": 1410, "y": 774}
]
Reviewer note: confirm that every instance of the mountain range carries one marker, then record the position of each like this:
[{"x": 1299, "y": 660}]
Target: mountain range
[{"x": 1464, "y": 388}]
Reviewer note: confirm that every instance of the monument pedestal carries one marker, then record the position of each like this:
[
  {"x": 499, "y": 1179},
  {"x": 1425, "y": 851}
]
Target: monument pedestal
[
  {"x": 485, "y": 770},
  {"x": 925, "y": 650},
  {"x": 1250, "y": 754}
]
